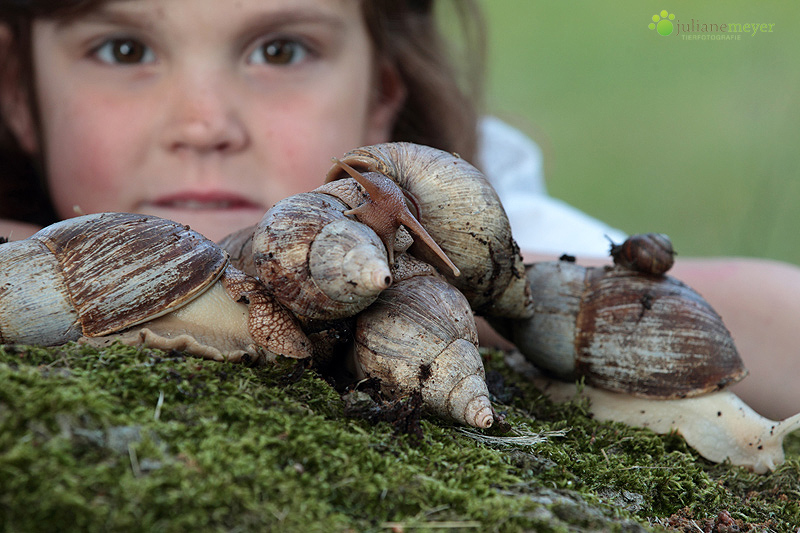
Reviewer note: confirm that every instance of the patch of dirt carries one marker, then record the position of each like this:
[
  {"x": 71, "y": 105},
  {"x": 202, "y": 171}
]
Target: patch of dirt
[
  {"x": 685, "y": 522},
  {"x": 367, "y": 402}
]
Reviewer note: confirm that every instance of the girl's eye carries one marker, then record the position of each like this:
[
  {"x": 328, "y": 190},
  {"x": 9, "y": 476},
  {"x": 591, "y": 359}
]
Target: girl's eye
[
  {"x": 124, "y": 51},
  {"x": 278, "y": 52}
]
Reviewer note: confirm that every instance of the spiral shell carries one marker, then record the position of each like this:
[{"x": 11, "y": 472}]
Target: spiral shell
[
  {"x": 93, "y": 275},
  {"x": 461, "y": 211},
  {"x": 649, "y": 253},
  {"x": 316, "y": 261},
  {"x": 420, "y": 335},
  {"x": 625, "y": 331}
]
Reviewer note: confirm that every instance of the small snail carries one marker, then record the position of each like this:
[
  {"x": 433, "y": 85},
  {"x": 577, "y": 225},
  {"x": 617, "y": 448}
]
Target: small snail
[
  {"x": 650, "y": 350},
  {"x": 383, "y": 208},
  {"x": 143, "y": 280},
  {"x": 420, "y": 335},
  {"x": 650, "y": 253}
]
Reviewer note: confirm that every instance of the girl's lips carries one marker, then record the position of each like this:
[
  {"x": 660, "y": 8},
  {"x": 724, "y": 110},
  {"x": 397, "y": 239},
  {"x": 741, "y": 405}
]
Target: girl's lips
[{"x": 214, "y": 200}]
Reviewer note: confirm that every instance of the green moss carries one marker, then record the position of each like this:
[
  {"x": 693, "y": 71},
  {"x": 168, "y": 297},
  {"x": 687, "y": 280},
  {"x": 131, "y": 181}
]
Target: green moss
[{"x": 124, "y": 439}]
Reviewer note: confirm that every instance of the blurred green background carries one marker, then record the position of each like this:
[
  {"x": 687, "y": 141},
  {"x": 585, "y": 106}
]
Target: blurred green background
[{"x": 696, "y": 139}]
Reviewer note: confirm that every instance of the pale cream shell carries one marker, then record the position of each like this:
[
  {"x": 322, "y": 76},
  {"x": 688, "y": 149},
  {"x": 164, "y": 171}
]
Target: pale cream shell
[
  {"x": 317, "y": 262},
  {"x": 420, "y": 335}
]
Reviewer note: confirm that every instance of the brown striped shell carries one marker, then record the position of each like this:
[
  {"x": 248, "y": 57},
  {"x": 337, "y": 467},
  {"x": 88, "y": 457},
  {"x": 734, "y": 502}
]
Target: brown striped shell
[
  {"x": 461, "y": 211},
  {"x": 95, "y": 274},
  {"x": 625, "y": 331}
]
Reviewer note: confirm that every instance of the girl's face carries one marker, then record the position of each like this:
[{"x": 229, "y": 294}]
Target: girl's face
[{"x": 202, "y": 111}]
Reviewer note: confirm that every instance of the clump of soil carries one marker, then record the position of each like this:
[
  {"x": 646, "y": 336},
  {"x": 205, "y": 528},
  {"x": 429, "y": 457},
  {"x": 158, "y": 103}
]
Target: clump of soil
[{"x": 403, "y": 414}]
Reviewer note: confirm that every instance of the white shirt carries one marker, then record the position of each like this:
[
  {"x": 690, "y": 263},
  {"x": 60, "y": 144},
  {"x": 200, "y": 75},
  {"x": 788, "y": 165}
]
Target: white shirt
[{"x": 539, "y": 223}]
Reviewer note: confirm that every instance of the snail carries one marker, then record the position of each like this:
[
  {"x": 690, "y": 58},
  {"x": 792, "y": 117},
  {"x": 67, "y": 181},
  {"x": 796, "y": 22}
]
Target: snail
[
  {"x": 142, "y": 280},
  {"x": 383, "y": 208},
  {"x": 438, "y": 333},
  {"x": 320, "y": 261},
  {"x": 650, "y": 253},
  {"x": 626, "y": 331},
  {"x": 420, "y": 335},
  {"x": 458, "y": 207},
  {"x": 650, "y": 350}
]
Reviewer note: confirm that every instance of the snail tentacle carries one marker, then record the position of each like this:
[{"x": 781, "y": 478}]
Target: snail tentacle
[
  {"x": 384, "y": 210},
  {"x": 458, "y": 207}
]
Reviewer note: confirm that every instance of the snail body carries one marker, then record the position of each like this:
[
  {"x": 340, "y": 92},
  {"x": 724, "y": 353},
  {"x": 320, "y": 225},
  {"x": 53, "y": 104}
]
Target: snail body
[
  {"x": 420, "y": 336},
  {"x": 718, "y": 425},
  {"x": 111, "y": 275},
  {"x": 457, "y": 206}
]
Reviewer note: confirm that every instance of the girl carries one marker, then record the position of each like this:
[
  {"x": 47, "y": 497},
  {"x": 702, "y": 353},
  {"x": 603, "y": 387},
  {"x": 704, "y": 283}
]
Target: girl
[{"x": 208, "y": 112}]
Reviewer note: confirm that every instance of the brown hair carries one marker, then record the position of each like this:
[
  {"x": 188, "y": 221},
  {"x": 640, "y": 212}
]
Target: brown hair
[{"x": 440, "y": 110}]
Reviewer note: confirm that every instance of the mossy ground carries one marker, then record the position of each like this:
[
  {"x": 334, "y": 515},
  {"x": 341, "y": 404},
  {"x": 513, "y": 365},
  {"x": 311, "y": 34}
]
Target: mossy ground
[{"x": 124, "y": 439}]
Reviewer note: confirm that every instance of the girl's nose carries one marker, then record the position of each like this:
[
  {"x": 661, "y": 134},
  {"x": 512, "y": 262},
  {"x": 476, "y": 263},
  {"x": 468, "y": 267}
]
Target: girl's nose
[{"x": 204, "y": 118}]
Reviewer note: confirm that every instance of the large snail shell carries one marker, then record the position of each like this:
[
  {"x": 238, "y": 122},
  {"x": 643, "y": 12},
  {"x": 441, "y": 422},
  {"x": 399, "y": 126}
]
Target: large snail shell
[
  {"x": 316, "y": 261},
  {"x": 462, "y": 212},
  {"x": 97, "y": 274},
  {"x": 420, "y": 335},
  {"x": 624, "y": 331}
]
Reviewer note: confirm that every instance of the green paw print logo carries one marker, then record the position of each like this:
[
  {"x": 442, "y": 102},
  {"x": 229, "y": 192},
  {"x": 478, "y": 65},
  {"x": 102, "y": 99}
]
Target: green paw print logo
[{"x": 662, "y": 23}]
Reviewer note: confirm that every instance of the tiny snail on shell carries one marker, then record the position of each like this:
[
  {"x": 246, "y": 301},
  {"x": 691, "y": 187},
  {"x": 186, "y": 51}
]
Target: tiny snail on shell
[
  {"x": 649, "y": 253},
  {"x": 650, "y": 350},
  {"x": 142, "y": 280},
  {"x": 384, "y": 210}
]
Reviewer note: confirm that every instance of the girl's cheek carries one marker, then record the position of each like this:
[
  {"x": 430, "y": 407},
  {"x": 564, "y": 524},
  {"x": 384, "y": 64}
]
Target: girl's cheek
[
  {"x": 82, "y": 174},
  {"x": 85, "y": 153}
]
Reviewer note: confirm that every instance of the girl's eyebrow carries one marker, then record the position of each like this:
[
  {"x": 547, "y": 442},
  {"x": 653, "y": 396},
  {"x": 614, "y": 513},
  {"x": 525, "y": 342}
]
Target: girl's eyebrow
[
  {"x": 296, "y": 16},
  {"x": 105, "y": 14},
  {"x": 265, "y": 20}
]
